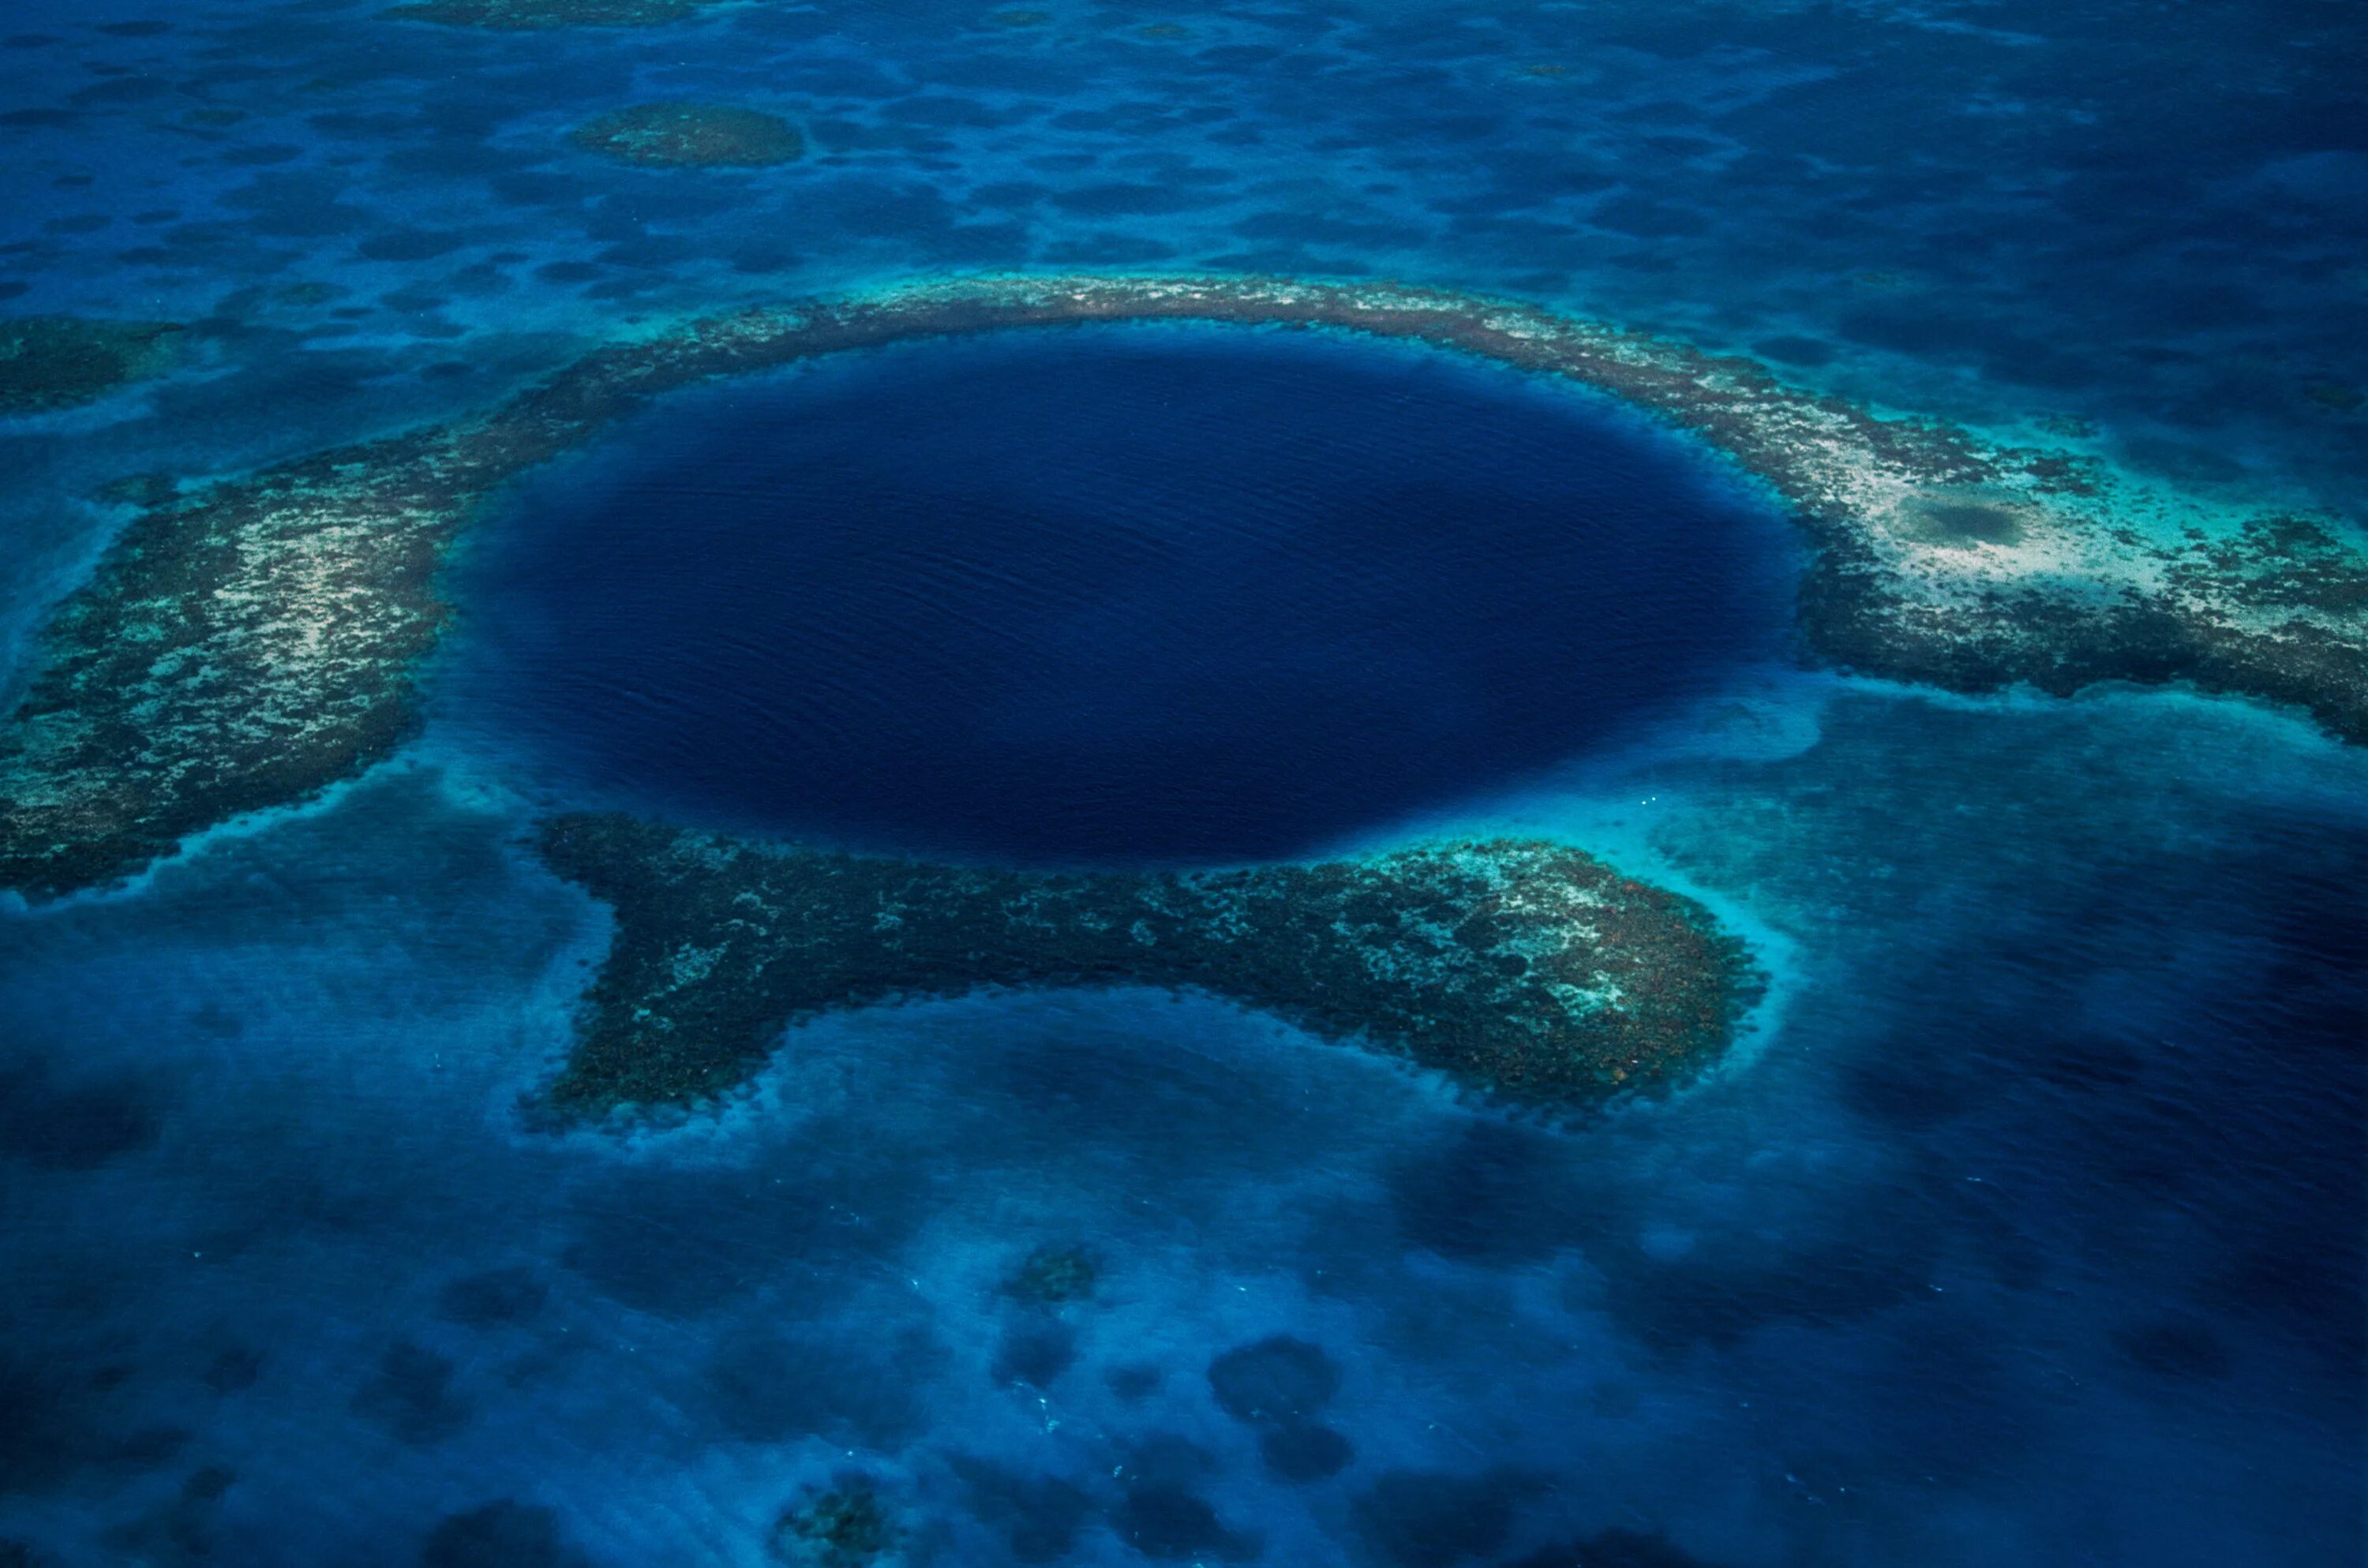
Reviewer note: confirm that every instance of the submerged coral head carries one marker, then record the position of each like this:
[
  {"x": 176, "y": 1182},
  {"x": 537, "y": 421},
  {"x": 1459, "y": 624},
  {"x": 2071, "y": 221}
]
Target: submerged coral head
[{"x": 692, "y": 135}]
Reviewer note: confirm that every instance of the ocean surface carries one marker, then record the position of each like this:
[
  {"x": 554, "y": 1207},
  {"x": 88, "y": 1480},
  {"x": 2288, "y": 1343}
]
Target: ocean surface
[
  {"x": 2025, "y": 1223},
  {"x": 1176, "y": 595}
]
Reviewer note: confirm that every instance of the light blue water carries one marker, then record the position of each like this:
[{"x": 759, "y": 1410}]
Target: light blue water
[{"x": 2026, "y": 1226}]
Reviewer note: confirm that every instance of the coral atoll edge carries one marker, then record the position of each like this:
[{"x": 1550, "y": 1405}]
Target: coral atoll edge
[
  {"x": 244, "y": 645},
  {"x": 1520, "y": 968}
]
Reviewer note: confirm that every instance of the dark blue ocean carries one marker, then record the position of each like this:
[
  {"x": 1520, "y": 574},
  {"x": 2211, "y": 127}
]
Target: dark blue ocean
[
  {"x": 1176, "y": 595},
  {"x": 2025, "y": 1224}
]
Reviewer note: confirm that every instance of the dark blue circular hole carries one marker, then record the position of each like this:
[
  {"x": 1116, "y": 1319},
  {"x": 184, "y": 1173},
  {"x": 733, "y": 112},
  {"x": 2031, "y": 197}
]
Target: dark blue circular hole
[{"x": 1147, "y": 594}]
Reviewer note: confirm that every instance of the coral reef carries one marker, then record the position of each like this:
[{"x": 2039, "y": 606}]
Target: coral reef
[
  {"x": 244, "y": 645},
  {"x": 58, "y": 361},
  {"x": 1051, "y": 1276},
  {"x": 845, "y": 1525},
  {"x": 238, "y": 650},
  {"x": 691, "y": 135},
  {"x": 1521, "y": 968}
]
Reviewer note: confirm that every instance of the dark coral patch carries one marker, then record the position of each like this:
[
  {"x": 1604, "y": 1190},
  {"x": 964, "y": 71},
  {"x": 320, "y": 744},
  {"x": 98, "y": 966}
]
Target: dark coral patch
[
  {"x": 679, "y": 135},
  {"x": 58, "y": 361},
  {"x": 411, "y": 1395},
  {"x": 497, "y": 1296},
  {"x": 1277, "y": 1382},
  {"x": 1035, "y": 1354},
  {"x": 1300, "y": 1454},
  {"x": 842, "y": 1527},
  {"x": 1173, "y": 1525},
  {"x": 1614, "y": 1548},
  {"x": 1037, "y": 1516},
  {"x": 2174, "y": 1348},
  {"x": 1960, "y": 524},
  {"x": 1418, "y": 1519},
  {"x": 721, "y": 944},
  {"x": 1052, "y": 1275},
  {"x": 503, "y": 1534},
  {"x": 535, "y": 16},
  {"x": 73, "y": 1126}
]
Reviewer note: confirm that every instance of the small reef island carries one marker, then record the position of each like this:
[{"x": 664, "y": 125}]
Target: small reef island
[
  {"x": 1522, "y": 969},
  {"x": 245, "y": 644}
]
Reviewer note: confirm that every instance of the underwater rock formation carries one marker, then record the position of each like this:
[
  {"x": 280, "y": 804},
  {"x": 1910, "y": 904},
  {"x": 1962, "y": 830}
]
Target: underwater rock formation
[
  {"x": 244, "y": 645},
  {"x": 1521, "y": 968},
  {"x": 58, "y": 361},
  {"x": 691, "y": 135}
]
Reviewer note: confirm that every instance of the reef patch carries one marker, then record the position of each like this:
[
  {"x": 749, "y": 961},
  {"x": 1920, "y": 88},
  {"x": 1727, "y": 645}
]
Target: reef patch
[
  {"x": 49, "y": 362},
  {"x": 1054, "y": 1276},
  {"x": 845, "y": 1525},
  {"x": 691, "y": 135},
  {"x": 246, "y": 644},
  {"x": 1522, "y": 969}
]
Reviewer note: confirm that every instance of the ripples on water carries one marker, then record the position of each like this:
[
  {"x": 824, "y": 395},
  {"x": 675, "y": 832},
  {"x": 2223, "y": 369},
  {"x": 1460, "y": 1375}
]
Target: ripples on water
[{"x": 1148, "y": 594}]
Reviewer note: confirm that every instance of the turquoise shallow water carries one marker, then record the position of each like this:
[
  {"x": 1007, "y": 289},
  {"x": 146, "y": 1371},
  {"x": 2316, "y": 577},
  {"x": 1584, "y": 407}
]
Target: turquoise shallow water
[{"x": 2024, "y": 1225}]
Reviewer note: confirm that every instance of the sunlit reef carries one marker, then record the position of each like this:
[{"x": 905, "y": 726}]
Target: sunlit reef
[
  {"x": 1522, "y": 969},
  {"x": 248, "y": 644}
]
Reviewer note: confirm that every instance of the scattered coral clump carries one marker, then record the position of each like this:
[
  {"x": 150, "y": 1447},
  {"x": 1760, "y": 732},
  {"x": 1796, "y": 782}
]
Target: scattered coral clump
[
  {"x": 691, "y": 135},
  {"x": 1053, "y": 1274},
  {"x": 844, "y": 1525},
  {"x": 1521, "y": 968},
  {"x": 58, "y": 361}
]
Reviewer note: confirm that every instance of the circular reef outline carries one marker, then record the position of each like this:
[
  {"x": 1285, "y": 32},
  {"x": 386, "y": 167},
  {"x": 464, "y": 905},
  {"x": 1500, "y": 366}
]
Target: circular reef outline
[
  {"x": 1521, "y": 969},
  {"x": 245, "y": 644}
]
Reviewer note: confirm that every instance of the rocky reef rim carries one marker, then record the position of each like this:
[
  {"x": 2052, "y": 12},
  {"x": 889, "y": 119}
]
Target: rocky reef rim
[
  {"x": 1524, "y": 970},
  {"x": 245, "y": 644}
]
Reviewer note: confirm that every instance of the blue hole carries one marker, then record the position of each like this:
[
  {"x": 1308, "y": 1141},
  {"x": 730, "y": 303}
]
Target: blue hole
[{"x": 1109, "y": 595}]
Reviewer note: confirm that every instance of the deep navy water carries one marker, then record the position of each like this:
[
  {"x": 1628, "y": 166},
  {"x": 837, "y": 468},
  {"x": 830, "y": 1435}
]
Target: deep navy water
[
  {"x": 1169, "y": 594},
  {"x": 2024, "y": 1226}
]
